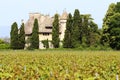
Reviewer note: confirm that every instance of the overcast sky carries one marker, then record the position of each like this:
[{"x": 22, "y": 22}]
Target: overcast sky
[{"x": 15, "y": 10}]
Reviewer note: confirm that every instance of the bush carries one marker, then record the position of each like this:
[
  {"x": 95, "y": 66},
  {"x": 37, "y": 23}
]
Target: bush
[
  {"x": 1, "y": 41},
  {"x": 4, "y": 46},
  {"x": 29, "y": 48},
  {"x": 94, "y": 48},
  {"x": 46, "y": 43}
]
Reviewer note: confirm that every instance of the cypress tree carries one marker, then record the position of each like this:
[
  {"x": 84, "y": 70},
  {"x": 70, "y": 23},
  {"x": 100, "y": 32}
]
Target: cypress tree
[
  {"x": 89, "y": 28},
  {"x": 55, "y": 32},
  {"x": 85, "y": 30},
  {"x": 76, "y": 30},
  {"x": 67, "y": 37},
  {"x": 22, "y": 37},
  {"x": 14, "y": 36},
  {"x": 35, "y": 37},
  {"x": 93, "y": 36}
]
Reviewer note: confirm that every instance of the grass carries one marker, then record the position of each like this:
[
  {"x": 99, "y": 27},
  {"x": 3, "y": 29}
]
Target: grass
[{"x": 59, "y": 65}]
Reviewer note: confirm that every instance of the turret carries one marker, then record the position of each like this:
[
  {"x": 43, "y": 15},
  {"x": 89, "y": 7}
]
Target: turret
[{"x": 63, "y": 20}]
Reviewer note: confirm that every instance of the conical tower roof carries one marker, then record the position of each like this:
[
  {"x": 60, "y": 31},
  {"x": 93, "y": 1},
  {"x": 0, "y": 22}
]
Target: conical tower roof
[{"x": 64, "y": 15}]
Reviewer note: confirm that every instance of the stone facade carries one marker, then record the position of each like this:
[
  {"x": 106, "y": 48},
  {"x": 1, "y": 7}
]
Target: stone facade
[{"x": 45, "y": 27}]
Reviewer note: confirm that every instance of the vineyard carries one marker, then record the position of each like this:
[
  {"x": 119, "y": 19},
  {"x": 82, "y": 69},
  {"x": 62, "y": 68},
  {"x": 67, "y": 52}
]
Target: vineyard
[{"x": 59, "y": 65}]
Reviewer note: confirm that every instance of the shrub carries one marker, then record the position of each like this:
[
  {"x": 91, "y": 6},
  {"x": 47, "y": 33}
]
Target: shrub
[
  {"x": 4, "y": 46},
  {"x": 46, "y": 43}
]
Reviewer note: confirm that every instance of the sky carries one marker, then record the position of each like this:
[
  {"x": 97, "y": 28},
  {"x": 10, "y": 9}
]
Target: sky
[{"x": 16, "y": 10}]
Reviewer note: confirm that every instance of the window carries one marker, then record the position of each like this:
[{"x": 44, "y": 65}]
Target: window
[
  {"x": 48, "y": 27},
  {"x": 46, "y": 34}
]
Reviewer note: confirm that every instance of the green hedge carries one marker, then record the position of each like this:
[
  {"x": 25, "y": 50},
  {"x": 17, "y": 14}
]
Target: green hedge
[{"x": 4, "y": 46}]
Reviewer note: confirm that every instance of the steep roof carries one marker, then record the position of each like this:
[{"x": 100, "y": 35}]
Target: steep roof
[
  {"x": 43, "y": 20},
  {"x": 47, "y": 22}
]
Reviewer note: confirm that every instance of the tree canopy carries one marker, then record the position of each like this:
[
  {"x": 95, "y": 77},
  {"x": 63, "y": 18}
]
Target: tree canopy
[{"x": 111, "y": 27}]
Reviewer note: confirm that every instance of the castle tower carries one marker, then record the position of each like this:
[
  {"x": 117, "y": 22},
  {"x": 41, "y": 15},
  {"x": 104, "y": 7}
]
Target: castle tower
[{"x": 63, "y": 20}]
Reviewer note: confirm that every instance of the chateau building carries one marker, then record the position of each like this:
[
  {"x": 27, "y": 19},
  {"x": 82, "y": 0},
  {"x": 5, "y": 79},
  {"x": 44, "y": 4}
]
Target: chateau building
[{"x": 45, "y": 27}]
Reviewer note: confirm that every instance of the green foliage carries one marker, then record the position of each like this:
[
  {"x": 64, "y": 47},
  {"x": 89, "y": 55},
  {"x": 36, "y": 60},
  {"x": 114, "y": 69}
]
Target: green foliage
[
  {"x": 14, "y": 36},
  {"x": 48, "y": 65},
  {"x": 93, "y": 37},
  {"x": 90, "y": 33},
  {"x": 111, "y": 29},
  {"x": 35, "y": 37},
  {"x": 84, "y": 32},
  {"x": 117, "y": 7},
  {"x": 4, "y": 45},
  {"x": 114, "y": 31},
  {"x": 68, "y": 33},
  {"x": 93, "y": 27},
  {"x": 22, "y": 37},
  {"x": 76, "y": 29},
  {"x": 105, "y": 34},
  {"x": 1, "y": 41},
  {"x": 46, "y": 43},
  {"x": 55, "y": 32}
]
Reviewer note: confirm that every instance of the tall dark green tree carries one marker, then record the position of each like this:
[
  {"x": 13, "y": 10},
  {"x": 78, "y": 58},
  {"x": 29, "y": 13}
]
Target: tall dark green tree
[
  {"x": 111, "y": 27},
  {"x": 114, "y": 31},
  {"x": 93, "y": 37},
  {"x": 76, "y": 29},
  {"x": 14, "y": 36},
  {"x": 105, "y": 34},
  {"x": 55, "y": 32},
  {"x": 35, "y": 36},
  {"x": 67, "y": 38},
  {"x": 21, "y": 37},
  {"x": 85, "y": 29},
  {"x": 117, "y": 7},
  {"x": 90, "y": 35}
]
